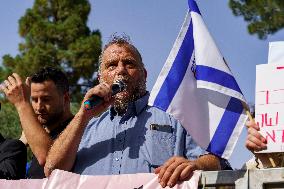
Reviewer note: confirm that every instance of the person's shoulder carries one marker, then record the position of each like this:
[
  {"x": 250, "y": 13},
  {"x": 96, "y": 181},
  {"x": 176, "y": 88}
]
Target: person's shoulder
[
  {"x": 96, "y": 120},
  {"x": 12, "y": 148},
  {"x": 12, "y": 144}
]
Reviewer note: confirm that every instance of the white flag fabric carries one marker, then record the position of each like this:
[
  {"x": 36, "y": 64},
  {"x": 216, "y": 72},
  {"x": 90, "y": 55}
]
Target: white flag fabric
[{"x": 197, "y": 88}]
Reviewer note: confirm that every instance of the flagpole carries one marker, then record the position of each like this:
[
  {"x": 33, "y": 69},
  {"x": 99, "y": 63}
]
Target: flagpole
[{"x": 252, "y": 120}]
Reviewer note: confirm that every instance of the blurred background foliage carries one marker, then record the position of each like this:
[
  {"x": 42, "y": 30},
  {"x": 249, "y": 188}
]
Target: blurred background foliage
[{"x": 264, "y": 17}]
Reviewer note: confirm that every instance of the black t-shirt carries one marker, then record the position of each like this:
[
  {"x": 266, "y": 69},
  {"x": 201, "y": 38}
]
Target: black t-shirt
[
  {"x": 36, "y": 171},
  {"x": 13, "y": 158}
]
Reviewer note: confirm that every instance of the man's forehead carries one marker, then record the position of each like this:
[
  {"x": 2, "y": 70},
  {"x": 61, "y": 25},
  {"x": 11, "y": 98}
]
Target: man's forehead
[
  {"x": 120, "y": 48},
  {"x": 43, "y": 83},
  {"x": 43, "y": 86}
]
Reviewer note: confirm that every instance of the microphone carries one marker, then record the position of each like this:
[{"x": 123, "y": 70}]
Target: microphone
[{"x": 96, "y": 100}]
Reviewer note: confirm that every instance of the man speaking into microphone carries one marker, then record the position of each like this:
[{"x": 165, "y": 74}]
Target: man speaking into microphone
[{"x": 130, "y": 137}]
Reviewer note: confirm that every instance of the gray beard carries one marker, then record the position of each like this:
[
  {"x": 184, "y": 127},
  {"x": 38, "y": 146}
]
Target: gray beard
[{"x": 121, "y": 105}]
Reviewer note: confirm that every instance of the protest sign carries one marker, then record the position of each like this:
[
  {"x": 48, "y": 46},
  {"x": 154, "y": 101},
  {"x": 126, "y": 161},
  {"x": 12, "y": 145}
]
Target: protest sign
[{"x": 269, "y": 105}]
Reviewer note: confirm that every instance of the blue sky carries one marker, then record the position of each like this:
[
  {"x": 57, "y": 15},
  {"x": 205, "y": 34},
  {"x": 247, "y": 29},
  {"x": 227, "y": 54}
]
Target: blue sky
[{"x": 153, "y": 27}]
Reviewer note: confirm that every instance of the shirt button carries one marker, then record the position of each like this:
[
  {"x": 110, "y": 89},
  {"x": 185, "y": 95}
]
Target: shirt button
[{"x": 116, "y": 159}]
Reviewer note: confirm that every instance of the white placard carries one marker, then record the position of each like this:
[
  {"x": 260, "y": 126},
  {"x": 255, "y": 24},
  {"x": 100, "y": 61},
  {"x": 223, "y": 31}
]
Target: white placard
[
  {"x": 269, "y": 105},
  {"x": 62, "y": 179},
  {"x": 276, "y": 52}
]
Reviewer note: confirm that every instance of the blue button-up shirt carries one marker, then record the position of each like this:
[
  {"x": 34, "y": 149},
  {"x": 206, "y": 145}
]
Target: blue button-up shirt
[{"x": 137, "y": 142}]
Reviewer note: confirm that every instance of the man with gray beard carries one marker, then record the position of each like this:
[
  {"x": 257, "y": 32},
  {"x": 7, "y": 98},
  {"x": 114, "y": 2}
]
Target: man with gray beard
[{"x": 130, "y": 137}]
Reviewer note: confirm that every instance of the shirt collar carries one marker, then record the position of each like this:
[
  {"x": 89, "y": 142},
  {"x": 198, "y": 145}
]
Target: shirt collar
[{"x": 133, "y": 108}]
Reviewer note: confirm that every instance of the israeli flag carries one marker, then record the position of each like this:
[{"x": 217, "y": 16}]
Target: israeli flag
[{"x": 197, "y": 88}]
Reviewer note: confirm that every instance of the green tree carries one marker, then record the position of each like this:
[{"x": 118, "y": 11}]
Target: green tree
[
  {"x": 9, "y": 121},
  {"x": 55, "y": 33},
  {"x": 264, "y": 17}
]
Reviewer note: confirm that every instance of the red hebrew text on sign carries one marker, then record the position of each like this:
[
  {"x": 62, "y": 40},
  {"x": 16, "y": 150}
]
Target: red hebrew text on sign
[{"x": 269, "y": 105}]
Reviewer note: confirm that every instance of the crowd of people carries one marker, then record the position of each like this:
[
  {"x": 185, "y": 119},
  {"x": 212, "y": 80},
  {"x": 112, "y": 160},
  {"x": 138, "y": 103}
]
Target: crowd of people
[{"x": 121, "y": 135}]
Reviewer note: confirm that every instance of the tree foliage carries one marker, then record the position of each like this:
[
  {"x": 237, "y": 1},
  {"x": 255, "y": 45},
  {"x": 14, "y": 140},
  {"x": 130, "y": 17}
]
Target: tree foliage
[
  {"x": 9, "y": 121},
  {"x": 55, "y": 33},
  {"x": 264, "y": 17}
]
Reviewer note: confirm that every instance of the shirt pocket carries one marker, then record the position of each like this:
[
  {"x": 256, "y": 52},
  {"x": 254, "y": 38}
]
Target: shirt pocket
[{"x": 160, "y": 145}]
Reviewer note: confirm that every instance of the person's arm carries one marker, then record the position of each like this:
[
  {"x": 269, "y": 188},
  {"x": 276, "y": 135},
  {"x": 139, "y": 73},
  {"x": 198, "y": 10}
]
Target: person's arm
[
  {"x": 181, "y": 169},
  {"x": 18, "y": 93},
  {"x": 63, "y": 152},
  {"x": 38, "y": 139}
]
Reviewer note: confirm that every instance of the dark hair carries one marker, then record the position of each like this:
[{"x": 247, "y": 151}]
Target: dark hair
[{"x": 57, "y": 76}]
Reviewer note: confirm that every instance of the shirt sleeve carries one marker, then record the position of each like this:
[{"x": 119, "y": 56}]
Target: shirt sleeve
[
  {"x": 193, "y": 151},
  {"x": 185, "y": 144},
  {"x": 13, "y": 158}
]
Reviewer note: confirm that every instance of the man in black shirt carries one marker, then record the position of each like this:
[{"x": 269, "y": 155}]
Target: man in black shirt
[
  {"x": 43, "y": 105},
  {"x": 13, "y": 157}
]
